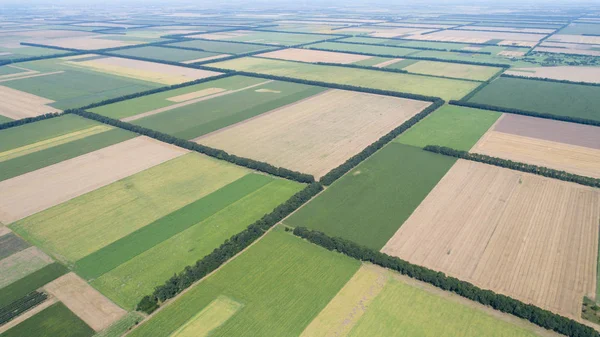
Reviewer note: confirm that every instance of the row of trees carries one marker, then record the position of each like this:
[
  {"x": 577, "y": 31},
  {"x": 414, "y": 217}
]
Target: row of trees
[
  {"x": 482, "y": 85},
  {"x": 536, "y": 315},
  {"x": 209, "y": 151},
  {"x": 418, "y": 48},
  {"x": 227, "y": 250},
  {"x": 545, "y": 79},
  {"x": 497, "y": 65},
  {"x": 526, "y": 113},
  {"x": 513, "y": 165},
  {"x": 28, "y": 120},
  {"x": 9, "y": 312},
  {"x": 339, "y": 171},
  {"x": 36, "y": 58}
]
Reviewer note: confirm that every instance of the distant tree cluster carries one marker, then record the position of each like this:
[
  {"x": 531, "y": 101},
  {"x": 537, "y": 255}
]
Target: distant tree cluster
[
  {"x": 535, "y": 315},
  {"x": 227, "y": 250},
  {"x": 513, "y": 165}
]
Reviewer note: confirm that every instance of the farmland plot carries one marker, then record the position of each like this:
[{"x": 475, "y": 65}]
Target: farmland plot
[
  {"x": 273, "y": 38},
  {"x": 308, "y": 55},
  {"x": 170, "y": 54},
  {"x": 569, "y": 73},
  {"x": 503, "y": 230}
]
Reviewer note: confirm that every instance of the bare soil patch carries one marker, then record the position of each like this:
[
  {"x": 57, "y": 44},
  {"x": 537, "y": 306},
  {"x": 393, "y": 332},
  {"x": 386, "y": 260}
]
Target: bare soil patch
[
  {"x": 569, "y": 73},
  {"x": 84, "y": 301},
  {"x": 307, "y": 55},
  {"x": 317, "y": 134},
  {"x": 38, "y": 190},
  {"x": 18, "y": 104},
  {"x": 518, "y": 234}
]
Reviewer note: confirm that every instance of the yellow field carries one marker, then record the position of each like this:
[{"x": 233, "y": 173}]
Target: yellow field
[{"x": 210, "y": 318}]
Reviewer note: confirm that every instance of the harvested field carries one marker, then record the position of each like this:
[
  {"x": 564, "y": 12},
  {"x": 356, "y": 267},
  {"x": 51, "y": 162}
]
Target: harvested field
[
  {"x": 509, "y": 53},
  {"x": 508, "y": 29},
  {"x": 16, "y": 104},
  {"x": 84, "y": 301},
  {"x": 317, "y": 134},
  {"x": 85, "y": 43},
  {"x": 307, "y": 55},
  {"x": 21, "y": 264},
  {"x": 454, "y": 70},
  {"x": 35, "y": 191},
  {"x": 383, "y": 32},
  {"x": 559, "y": 156},
  {"x": 569, "y": 73},
  {"x": 479, "y": 36},
  {"x": 147, "y": 71},
  {"x": 578, "y": 51},
  {"x": 529, "y": 237},
  {"x": 583, "y": 39}
]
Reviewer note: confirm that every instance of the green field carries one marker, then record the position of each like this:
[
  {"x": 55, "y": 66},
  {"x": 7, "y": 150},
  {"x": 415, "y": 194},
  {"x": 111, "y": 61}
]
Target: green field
[
  {"x": 409, "y": 310},
  {"x": 372, "y": 201},
  {"x": 372, "y": 61},
  {"x": 452, "y": 126},
  {"x": 383, "y": 50},
  {"x": 75, "y": 86},
  {"x": 166, "y": 54},
  {"x": 26, "y": 52},
  {"x": 135, "y": 106},
  {"x": 561, "y": 99},
  {"x": 221, "y": 46},
  {"x": 4, "y": 119},
  {"x": 477, "y": 58},
  {"x": 31, "y": 282},
  {"x": 133, "y": 279},
  {"x": 8, "y": 70},
  {"x": 454, "y": 70},
  {"x": 81, "y": 226},
  {"x": 118, "y": 328},
  {"x": 275, "y": 38},
  {"x": 409, "y": 83},
  {"x": 206, "y": 116},
  {"x": 282, "y": 283},
  {"x": 56, "y": 320}
]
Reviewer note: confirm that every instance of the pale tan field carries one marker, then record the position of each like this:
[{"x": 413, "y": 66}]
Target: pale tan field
[
  {"x": 84, "y": 301},
  {"x": 529, "y": 237},
  {"x": 214, "y": 315},
  {"x": 569, "y": 73},
  {"x": 147, "y": 71},
  {"x": 477, "y": 36},
  {"x": 508, "y": 29},
  {"x": 415, "y": 25},
  {"x": 195, "y": 94},
  {"x": 575, "y": 39},
  {"x": 568, "y": 51},
  {"x": 509, "y": 53},
  {"x": 85, "y": 43},
  {"x": 386, "y": 63},
  {"x": 580, "y": 160},
  {"x": 214, "y": 57},
  {"x": 307, "y": 55},
  {"x": 384, "y": 32},
  {"x": 38, "y": 190},
  {"x": 317, "y": 134},
  {"x": 16, "y": 104},
  {"x": 21, "y": 264},
  {"x": 454, "y": 70},
  {"x": 29, "y": 313}
]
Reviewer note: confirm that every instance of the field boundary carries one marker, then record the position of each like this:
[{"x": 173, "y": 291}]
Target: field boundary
[
  {"x": 546, "y": 79},
  {"x": 417, "y": 48},
  {"x": 28, "y": 120}
]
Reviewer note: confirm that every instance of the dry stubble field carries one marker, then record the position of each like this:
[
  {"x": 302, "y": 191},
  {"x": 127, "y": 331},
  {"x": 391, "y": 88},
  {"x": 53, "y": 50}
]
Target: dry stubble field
[{"x": 522, "y": 235}]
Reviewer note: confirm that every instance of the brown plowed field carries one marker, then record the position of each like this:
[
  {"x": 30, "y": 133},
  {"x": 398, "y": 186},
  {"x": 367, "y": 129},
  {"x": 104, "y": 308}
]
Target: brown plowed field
[
  {"x": 529, "y": 237},
  {"x": 317, "y": 134}
]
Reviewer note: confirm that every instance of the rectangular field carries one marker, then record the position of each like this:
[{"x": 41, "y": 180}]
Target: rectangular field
[
  {"x": 21, "y": 264},
  {"x": 452, "y": 126},
  {"x": 358, "y": 48},
  {"x": 81, "y": 226},
  {"x": 273, "y": 38},
  {"x": 454, "y": 70},
  {"x": 308, "y": 55},
  {"x": 317, "y": 134},
  {"x": 16, "y": 104},
  {"x": 169, "y": 54},
  {"x": 371, "y": 202},
  {"x": 563, "y": 146},
  {"x": 505, "y": 38},
  {"x": 571, "y": 100},
  {"x": 221, "y": 46},
  {"x": 31, "y": 282},
  {"x": 281, "y": 277},
  {"x": 414, "y": 84},
  {"x": 55, "y": 320},
  {"x": 10, "y": 243},
  {"x": 528, "y": 237},
  {"x": 35, "y": 191},
  {"x": 569, "y": 73}
]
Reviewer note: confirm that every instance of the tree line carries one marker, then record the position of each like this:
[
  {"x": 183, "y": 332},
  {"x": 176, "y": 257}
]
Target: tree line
[
  {"x": 416, "y": 47},
  {"x": 482, "y": 85},
  {"x": 535, "y": 315},
  {"x": 545, "y": 79},
  {"x": 227, "y": 250},
  {"x": 9, "y": 312},
  {"x": 339, "y": 171},
  {"x": 526, "y": 113},
  {"x": 513, "y": 165},
  {"x": 28, "y": 120},
  {"x": 36, "y": 58},
  {"x": 209, "y": 151},
  {"x": 358, "y": 66}
]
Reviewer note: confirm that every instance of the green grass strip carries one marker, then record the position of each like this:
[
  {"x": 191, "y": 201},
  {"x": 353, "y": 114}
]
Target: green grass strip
[
  {"x": 31, "y": 282},
  {"x": 56, "y": 154},
  {"x": 126, "y": 248},
  {"x": 56, "y": 320}
]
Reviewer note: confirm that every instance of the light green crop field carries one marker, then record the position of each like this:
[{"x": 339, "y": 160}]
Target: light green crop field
[
  {"x": 25, "y": 52},
  {"x": 8, "y": 70},
  {"x": 454, "y": 70},
  {"x": 135, "y": 106},
  {"x": 370, "y": 203},
  {"x": 221, "y": 46},
  {"x": 476, "y": 58},
  {"x": 56, "y": 320},
  {"x": 275, "y": 38},
  {"x": 452, "y": 126},
  {"x": 166, "y": 54},
  {"x": 31, "y": 282},
  {"x": 372, "y": 61},
  {"x": 383, "y": 50},
  {"x": 81, "y": 226},
  {"x": 408, "y": 310},
  {"x": 4, "y": 119},
  {"x": 563, "y": 99},
  {"x": 282, "y": 283},
  {"x": 409, "y": 83},
  {"x": 209, "y": 115},
  {"x": 130, "y": 281},
  {"x": 73, "y": 87}
]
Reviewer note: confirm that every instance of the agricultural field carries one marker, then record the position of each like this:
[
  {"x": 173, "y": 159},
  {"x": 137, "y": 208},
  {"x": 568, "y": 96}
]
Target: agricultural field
[
  {"x": 570, "y": 147},
  {"x": 56, "y": 320},
  {"x": 221, "y": 46},
  {"x": 563, "y": 73},
  {"x": 475, "y": 37},
  {"x": 266, "y": 37},
  {"x": 410, "y": 83},
  {"x": 317, "y": 134},
  {"x": 578, "y": 28},
  {"x": 569, "y": 100},
  {"x": 308, "y": 55},
  {"x": 170, "y": 54},
  {"x": 510, "y": 244},
  {"x": 369, "y": 203}
]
